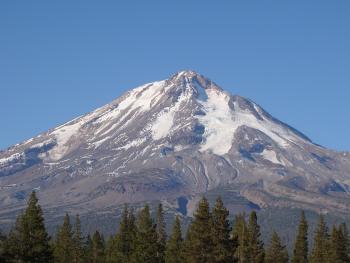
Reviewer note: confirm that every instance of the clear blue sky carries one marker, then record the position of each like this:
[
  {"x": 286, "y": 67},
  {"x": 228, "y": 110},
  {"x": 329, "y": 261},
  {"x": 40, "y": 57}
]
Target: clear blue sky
[{"x": 60, "y": 59}]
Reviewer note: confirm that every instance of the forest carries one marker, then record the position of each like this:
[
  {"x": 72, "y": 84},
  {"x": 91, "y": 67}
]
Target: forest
[{"x": 210, "y": 238}]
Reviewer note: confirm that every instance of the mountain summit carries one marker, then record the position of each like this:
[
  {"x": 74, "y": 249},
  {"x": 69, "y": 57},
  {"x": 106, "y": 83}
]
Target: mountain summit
[{"x": 172, "y": 140}]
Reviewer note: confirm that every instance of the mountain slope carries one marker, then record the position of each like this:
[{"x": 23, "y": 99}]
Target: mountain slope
[{"x": 173, "y": 140}]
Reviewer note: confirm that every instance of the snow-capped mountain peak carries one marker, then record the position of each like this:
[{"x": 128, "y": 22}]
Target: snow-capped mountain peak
[{"x": 180, "y": 136}]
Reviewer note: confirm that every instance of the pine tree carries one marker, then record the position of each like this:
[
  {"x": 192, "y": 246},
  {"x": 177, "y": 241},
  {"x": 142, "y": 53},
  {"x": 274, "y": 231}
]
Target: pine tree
[
  {"x": 28, "y": 239},
  {"x": 276, "y": 252},
  {"x": 300, "y": 251},
  {"x": 88, "y": 249},
  {"x": 255, "y": 244},
  {"x": 222, "y": 245},
  {"x": 174, "y": 246},
  {"x": 199, "y": 243},
  {"x": 338, "y": 246},
  {"x": 146, "y": 247},
  {"x": 345, "y": 233},
  {"x": 122, "y": 245},
  {"x": 3, "y": 248},
  {"x": 78, "y": 242},
  {"x": 110, "y": 250},
  {"x": 161, "y": 233},
  {"x": 64, "y": 245},
  {"x": 97, "y": 248},
  {"x": 320, "y": 250},
  {"x": 240, "y": 235}
]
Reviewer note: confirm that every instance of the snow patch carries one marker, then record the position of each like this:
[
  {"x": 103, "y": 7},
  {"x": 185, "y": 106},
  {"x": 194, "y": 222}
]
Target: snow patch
[
  {"x": 221, "y": 124},
  {"x": 99, "y": 143},
  {"x": 134, "y": 143},
  {"x": 11, "y": 158},
  {"x": 218, "y": 122},
  {"x": 63, "y": 136},
  {"x": 161, "y": 127},
  {"x": 271, "y": 156},
  {"x": 141, "y": 98}
]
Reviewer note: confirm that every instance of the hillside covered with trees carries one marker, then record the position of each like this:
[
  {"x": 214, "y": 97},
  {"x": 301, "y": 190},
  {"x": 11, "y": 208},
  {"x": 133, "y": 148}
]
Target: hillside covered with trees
[{"x": 210, "y": 238}]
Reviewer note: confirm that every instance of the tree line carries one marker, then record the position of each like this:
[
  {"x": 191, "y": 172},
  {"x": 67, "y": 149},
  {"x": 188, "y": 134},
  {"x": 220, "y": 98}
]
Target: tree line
[{"x": 210, "y": 238}]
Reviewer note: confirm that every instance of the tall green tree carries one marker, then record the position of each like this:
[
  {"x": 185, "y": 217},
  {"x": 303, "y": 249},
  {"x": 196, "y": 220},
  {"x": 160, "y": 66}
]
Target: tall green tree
[
  {"x": 321, "y": 251},
  {"x": 3, "y": 248},
  {"x": 97, "y": 248},
  {"x": 276, "y": 252},
  {"x": 255, "y": 244},
  {"x": 28, "y": 239},
  {"x": 78, "y": 242},
  {"x": 338, "y": 246},
  {"x": 146, "y": 246},
  {"x": 121, "y": 247},
  {"x": 161, "y": 233},
  {"x": 222, "y": 246},
  {"x": 344, "y": 230},
  {"x": 64, "y": 245},
  {"x": 240, "y": 235},
  {"x": 110, "y": 250},
  {"x": 174, "y": 246},
  {"x": 88, "y": 249},
  {"x": 199, "y": 242},
  {"x": 300, "y": 251}
]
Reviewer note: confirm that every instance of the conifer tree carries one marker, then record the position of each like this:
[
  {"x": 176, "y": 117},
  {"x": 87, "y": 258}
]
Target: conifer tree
[
  {"x": 78, "y": 242},
  {"x": 88, "y": 249},
  {"x": 122, "y": 245},
  {"x": 174, "y": 246},
  {"x": 276, "y": 252},
  {"x": 28, "y": 239},
  {"x": 97, "y": 248},
  {"x": 222, "y": 245},
  {"x": 146, "y": 247},
  {"x": 199, "y": 243},
  {"x": 3, "y": 248},
  {"x": 255, "y": 244},
  {"x": 240, "y": 235},
  {"x": 161, "y": 233},
  {"x": 300, "y": 251},
  {"x": 345, "y": 233},
  {"x": 110, "y": 250},
  {"x": 338, "y": 246},
  {"x": 64, "y": 245},
  {"x": 320, "y": 251}
]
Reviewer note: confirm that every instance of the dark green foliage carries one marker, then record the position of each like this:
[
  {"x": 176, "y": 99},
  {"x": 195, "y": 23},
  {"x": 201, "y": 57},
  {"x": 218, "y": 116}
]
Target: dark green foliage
[
  {"x": 300, "y": 252},
  {"x": 338, "y": 245},
  {"x": 321, "y": 249},
  {"x": 161, "y": 233},
  {"x": 208, "y": 240},
  {"x": 3, "y": 249},
  {"x": 78, "y": 242},
  {"x": 240, "y": 236},
  {"x": 223, "y": 248},
  {"x": 88, "y": 249},
  {"x": 146, "y": 245},
  {"x": 97, "y": 249},
  {"x": 276, "y": 252},
  {"x": 199, "y": 243},
  {"x": 255, "y": 245},
  {"x": 64, "y": 245},
  {"x": 345, "y": 233},
  {"x": 174, "y": 246},
  {"x": 28, "y": 240},
  {"x": 120, "y": 248}
]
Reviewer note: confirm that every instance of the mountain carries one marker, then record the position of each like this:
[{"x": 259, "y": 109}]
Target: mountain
[{"x": 174, "y": 140}]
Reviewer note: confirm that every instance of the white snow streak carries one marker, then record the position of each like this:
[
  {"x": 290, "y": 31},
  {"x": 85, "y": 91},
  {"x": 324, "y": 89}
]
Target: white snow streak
[
  {"x": 165, "y": 120},
  {"x": 221, "y": 124},
  {"x": 271, "y": 156}
]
